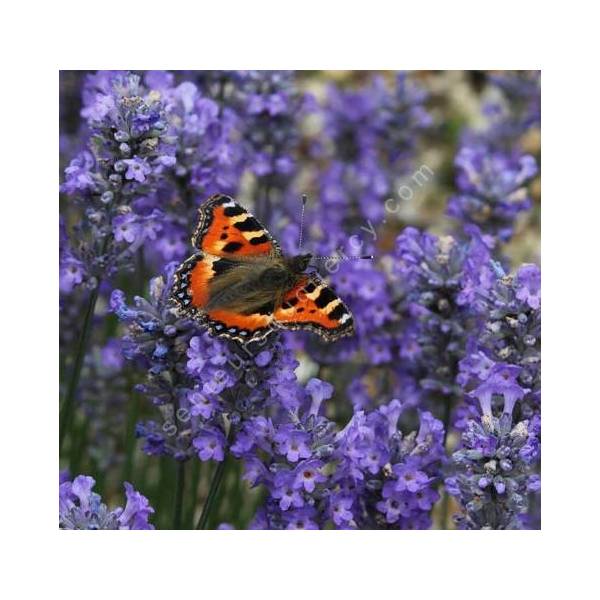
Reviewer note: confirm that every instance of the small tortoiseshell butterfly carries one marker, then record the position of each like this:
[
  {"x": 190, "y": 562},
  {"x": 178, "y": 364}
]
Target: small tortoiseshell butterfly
[{"x": 241, "y": 287}]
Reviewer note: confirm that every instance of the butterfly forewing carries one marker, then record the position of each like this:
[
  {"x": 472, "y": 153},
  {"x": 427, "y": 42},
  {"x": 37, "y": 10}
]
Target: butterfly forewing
[{"x": 227, "y": 229}]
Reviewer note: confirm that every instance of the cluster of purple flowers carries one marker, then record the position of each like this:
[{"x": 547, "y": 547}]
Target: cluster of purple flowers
[
  {"x": 184, "y": 369},
  {"x": 515, "y": 110},
  {"x": 504, "y": 356},
  {"x": 128, "y": 151},
  {"x": 269, "y": 108},
  {"x": 369, "y": 142},
  {"x": 387, "y": 480},
  {"x": 81, "y": 508},
  {"x": 492, "y": 168},
  {"x": 500, "y": 418},
  {"x": 497, "y": 463},
  {"x": 366, "y": 476},
  {"x": 494, "y": 470},
  {"x": 288, "y": 453},
  {"x": 104, "y": 398},
  {"x": 202, "y": 387},
  {"x": 438, "y": 278},
  {"x": 491, "y": 189},
  {"x": 366, "y": 142}
]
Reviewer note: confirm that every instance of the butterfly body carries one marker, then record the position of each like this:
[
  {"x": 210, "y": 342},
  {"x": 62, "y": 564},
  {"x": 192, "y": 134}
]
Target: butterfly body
[
  {"x": 246, "y": 285},
  {"x": 241, "y": 286}
]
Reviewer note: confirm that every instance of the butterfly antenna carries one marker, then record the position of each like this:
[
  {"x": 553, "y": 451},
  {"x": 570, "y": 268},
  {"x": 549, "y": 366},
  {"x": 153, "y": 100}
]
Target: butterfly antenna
[
  {"x": 304, "y": 199},
  {"x": 344, "y": 257},
  {"x": 340, "y": 256}
]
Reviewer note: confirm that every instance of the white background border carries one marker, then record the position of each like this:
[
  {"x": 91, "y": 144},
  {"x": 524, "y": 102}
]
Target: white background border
[{"x": 38, "y": 40}]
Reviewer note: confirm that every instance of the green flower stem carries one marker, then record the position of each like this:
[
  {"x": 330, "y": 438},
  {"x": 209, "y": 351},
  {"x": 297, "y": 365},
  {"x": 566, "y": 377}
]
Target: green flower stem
[
  {"x": 446, "y": 497},
  {"x": 179, "y": 487},
  {"x": 130, "y": 439},
  {"x": 214, "y": 487},
  {"x": 193, "y": 490},
  {"x": 212, "y": 494},
  {"x": 66, "y": 413}
]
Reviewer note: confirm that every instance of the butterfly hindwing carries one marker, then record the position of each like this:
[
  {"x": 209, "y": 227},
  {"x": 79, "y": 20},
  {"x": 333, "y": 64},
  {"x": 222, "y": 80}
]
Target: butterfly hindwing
[
  {"x": 191, "y": 292},
  {"x": 312, "y": 305},
  {"x": 191, "y": 281},
  {"x": 239, "y": 327},
  {"x": 227, "y": 229}
]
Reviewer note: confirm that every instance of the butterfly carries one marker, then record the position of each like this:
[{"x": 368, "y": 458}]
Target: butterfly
[{"x": 241, "y": 287}]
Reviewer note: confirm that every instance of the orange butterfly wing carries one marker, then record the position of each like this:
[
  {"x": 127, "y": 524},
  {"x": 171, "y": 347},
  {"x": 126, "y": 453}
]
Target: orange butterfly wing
[
  {"x": 227, "y": 231},
  {"x": 226, "y": 228},
  {"x": 313, "y": 306}
]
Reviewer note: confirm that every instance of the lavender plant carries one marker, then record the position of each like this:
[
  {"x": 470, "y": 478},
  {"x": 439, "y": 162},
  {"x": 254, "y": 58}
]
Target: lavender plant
[
  {"x": 387, "y": 480},
  {"x": 81, "y": 508},
  {"x": 492, "y": 192},
  {"x": 129, "y": 150},
  {"x": 516, "y": 109},
  {"x": 494, "y": 471}
]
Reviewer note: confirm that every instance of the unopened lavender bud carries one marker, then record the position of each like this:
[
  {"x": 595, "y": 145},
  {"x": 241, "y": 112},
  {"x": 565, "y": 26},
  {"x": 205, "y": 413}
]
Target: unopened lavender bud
[
  {"x": 95, "y": 216},
  {"x": 121, "y": 136},
  {"x": 519, "y": 432},
  {"x": 374, "y": 485},
  {"x": 324, "y": 451},
  {"x": 505, "y": 352},
  {"x": 494, "y": 326},
  {"x": 499, "y": 485},
  {"x": 170, "y": 330},
  {"x": 484, "y": 481},
  {"x": 490, "y": 466}
]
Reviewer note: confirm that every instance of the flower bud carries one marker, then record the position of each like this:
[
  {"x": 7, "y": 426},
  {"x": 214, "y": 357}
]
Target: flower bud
[
  {"x": 170, "y": 330},
  {"x": 484, "y": 481},
  {"x": 121, "y": 136},
  {"x": 499, "y": 485}
]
